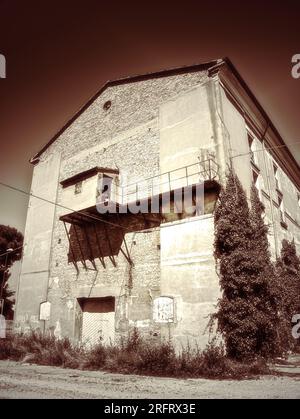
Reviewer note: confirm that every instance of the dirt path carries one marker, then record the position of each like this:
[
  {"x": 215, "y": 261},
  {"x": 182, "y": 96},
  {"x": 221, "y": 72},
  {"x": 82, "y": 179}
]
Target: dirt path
[{"x": 32, "y": 381}]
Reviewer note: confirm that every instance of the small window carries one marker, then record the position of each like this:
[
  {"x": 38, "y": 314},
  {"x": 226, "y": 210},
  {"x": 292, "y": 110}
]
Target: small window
[
  {"x": 255, "y": 177},
  {"x": 78, "y": 188},
  {"x": 251, "y": 147},
  {"x": 281, "y": 208},
  {"x": 163, "y": 310},
  {"x": 277, "y": 184},
  {"x": 104, "y": 188}
]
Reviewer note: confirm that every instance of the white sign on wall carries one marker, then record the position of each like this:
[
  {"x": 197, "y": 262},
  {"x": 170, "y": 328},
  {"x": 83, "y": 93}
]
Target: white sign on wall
[
  {"x": 45, "y": 310},
  {"x": 2, "y": 327},
  {"x": 163, "y": 310}
]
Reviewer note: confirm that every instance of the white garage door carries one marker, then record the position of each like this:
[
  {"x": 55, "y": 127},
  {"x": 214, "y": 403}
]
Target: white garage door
[{"x": 98, "y": 321}]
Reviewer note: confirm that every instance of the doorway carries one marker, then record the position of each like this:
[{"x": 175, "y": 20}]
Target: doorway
[{"x": 98, "y": 320}]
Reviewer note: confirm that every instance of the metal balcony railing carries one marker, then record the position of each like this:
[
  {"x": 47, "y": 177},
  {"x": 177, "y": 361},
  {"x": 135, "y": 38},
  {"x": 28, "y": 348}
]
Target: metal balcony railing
[{"x": 206, "y": 170}]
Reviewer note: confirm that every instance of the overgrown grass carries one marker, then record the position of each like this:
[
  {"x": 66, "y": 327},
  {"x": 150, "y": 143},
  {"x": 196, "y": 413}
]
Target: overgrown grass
[{"x": 132, "y": 356}]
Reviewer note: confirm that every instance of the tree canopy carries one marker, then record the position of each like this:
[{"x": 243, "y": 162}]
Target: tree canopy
[{"x": 11, "y": 242}]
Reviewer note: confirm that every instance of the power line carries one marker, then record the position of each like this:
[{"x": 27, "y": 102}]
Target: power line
[
  {"x": 265, "y": 149},
  {"x": 11, "y": 251},
  {"x": 61, "y": 206},
  {"x": 109, "y": 222}
]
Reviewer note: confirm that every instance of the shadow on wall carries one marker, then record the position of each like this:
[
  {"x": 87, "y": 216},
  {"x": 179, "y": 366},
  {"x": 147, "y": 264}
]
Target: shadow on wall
[{"x": 99, "y": 240}]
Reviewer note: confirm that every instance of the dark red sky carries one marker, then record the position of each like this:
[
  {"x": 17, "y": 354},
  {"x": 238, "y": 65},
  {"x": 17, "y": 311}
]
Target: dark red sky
[{"x": 60, "y": 52}]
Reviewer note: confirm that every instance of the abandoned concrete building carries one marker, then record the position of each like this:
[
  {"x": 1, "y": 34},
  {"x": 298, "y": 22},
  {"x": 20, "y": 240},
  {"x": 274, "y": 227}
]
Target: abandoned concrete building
[{"x": 90, "y": 274}]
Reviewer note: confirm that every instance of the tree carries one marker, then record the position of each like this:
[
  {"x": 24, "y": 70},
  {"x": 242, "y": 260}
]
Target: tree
[
  {"x": 11, "y": 242},
  {"x": 246, "y": 308},
  {"x": 264, "y": 282},
  {"x": 288, "y": 291}
]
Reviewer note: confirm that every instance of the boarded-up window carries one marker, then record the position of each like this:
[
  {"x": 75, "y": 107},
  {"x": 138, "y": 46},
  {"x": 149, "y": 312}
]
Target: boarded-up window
[{"x": 163, "y": 310}]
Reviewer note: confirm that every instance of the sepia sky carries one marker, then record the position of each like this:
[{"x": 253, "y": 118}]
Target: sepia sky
[{"x": 60, "y": 52}]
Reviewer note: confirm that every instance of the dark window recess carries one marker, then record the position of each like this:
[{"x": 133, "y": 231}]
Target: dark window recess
[
  {"x": 105, "y": 188},
  {"x": 59, "y": 241},
  {"x": 251, "y": 143},
  {"x": 97, "y": 305},
  {"x": 275, "y": 168},
  {"x": 255, "y": 177},
  {"x": 281, "y": 212},
  {"x": 78, "y": 188},
  {"x": 158, "y": 247},
  {"x": 284, "y": 224}
]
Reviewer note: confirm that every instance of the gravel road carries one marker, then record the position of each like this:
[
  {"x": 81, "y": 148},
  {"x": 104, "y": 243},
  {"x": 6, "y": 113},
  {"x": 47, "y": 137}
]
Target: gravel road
[{"x": 32, "y": 381}]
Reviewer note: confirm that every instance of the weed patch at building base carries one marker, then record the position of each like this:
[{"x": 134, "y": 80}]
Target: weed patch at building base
[{"x": 133, "y": 356}]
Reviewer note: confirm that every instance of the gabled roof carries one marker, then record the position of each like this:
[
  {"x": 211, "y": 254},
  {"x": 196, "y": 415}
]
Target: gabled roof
[
  {"x": 223, "y": 65},
  {"x": 126, "y": 80}
]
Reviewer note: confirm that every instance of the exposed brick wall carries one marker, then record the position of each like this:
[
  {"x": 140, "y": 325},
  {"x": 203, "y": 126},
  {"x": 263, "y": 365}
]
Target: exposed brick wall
[{"x": 132, "y": 105}]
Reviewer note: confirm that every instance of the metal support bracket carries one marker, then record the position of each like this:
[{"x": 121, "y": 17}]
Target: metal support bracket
[{"x": 71, "y": 249}]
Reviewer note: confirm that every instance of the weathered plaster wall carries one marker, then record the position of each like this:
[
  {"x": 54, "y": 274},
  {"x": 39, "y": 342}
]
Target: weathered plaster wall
[
  {"x": 269, "y": 195},
  {"x": 33, "y": 282},
  {"x": 188, "y": 275},
  {"x": 85, "y": 199},
  {"x": 187, "y": 134},
  {"x": 291, "y": 206},
  {"x": 185, "y": 129},
  {"x": 238, "y": 143}
]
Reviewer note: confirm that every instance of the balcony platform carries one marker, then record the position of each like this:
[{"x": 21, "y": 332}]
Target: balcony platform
[{"x": 99, "y": 231}]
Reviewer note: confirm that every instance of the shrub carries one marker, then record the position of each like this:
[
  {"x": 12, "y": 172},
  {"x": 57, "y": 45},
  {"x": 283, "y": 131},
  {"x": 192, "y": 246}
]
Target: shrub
[
  {"x": 96, "y": 357},
  {"x": 133, "y": 356},
  {"x": 133, "y": 342},
  {"x": 42, "y": 349},
  {"x": 156, "y": 359}
]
